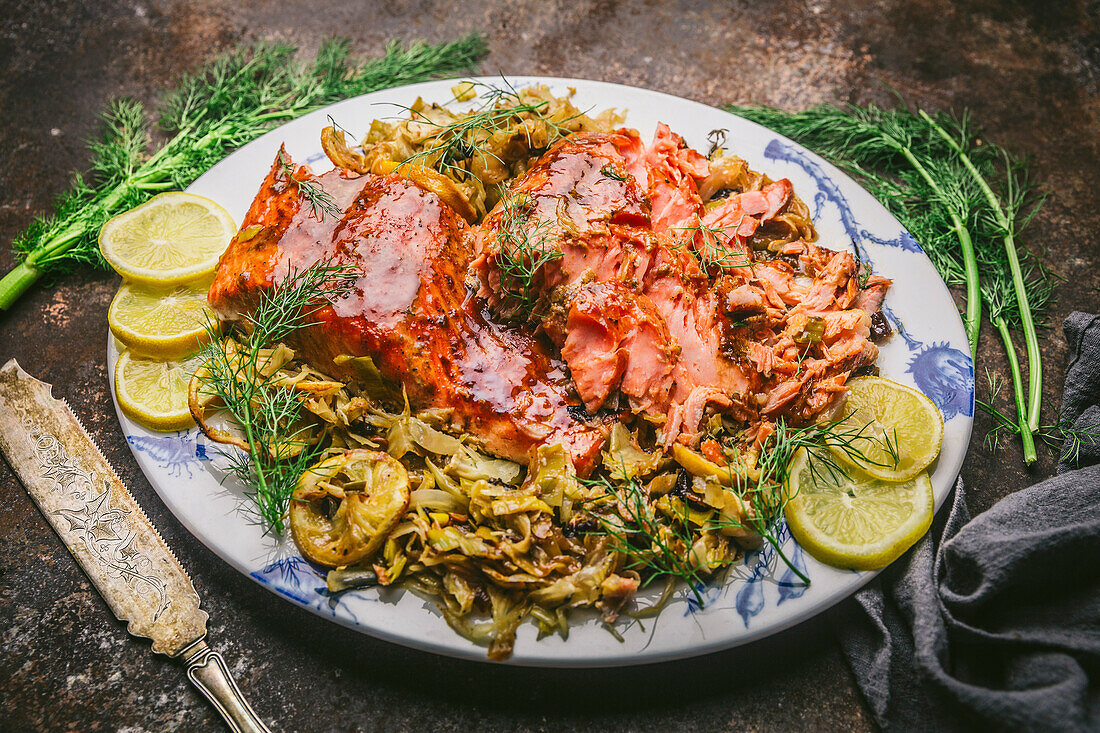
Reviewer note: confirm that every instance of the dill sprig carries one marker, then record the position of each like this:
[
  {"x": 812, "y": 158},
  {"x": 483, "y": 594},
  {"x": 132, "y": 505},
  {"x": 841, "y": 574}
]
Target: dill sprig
[
  {"x": 609, "y": 171},
  {"x": 525, "y": 247},
  {"x": 766, "y": 486},
  {"x": 964, "y": 199},
  {"x": 659, "y": 547},
  {"x": 229, "y": 102},
  {"x": 1003, "y": 214},
  {"x": 454, "y": 144},
  {"x": 239, "y": 376},
  {"x": 1061, "y": 436},
  {"x": 713, "y": 253},
  {"x": 656, "y": 548},
  {"x": 320, "y": 201}
]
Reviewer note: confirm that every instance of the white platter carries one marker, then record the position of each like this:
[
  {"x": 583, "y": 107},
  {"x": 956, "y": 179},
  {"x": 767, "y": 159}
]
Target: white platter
[{"x": 761, "y": 596}]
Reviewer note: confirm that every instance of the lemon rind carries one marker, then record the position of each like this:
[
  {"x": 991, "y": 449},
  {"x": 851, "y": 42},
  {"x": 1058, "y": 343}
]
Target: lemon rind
[{"x": 174, "y": 276}]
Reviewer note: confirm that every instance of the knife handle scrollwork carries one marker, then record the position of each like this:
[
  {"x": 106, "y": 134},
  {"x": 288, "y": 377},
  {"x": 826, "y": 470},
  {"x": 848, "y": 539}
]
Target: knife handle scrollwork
[{"x": 208, "y": 672}]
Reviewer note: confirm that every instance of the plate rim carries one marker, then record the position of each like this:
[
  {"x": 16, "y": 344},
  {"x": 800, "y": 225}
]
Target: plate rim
[{"x": 531, "y": 656}]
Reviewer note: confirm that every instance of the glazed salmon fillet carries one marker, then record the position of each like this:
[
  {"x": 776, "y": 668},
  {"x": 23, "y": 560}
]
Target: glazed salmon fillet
[
  {"x": 408, "y": 309},
  {"x": 660, "y": 304},
  {"x": 645, "y": 301}
]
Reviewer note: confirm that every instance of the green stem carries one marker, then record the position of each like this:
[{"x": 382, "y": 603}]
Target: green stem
[
  {"x": 786, "y": 561},
  {"x": 970, "y": 262},
  {"x": 1018, "y": 390},
  {"x": 254, "y": 448},
  {"x": 58, "y": 244},
  {"x": 27, "y": 272},
  {"x": 1031, "y": 339},
  {"x": 16, "y": 282}
]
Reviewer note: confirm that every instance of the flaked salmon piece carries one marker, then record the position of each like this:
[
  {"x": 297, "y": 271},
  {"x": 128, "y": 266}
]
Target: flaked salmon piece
[
  {"x": 745, "y": 298},
  {"x": 765, "y": 203},
  {"x": 615, "y": 339},
  {"x": 683, "y": 419},
  {"x": 836, "y": 274},
  {"x": 780, "y": 395},
  {"x": 873, "y": 293},
  {"x": 764, "y": 430},
  {"x": 779, "y": 285},
  {"x": 852, "y": 347},
  {"x": 847, "y": 294},
  {"x": 674, "y": 172},
  {"x": 731, "y": 220},
  {"x": 824, "y": 392},
  {"x": 839, "y": 322},
  {"x": 740, "y": 215},
  {"x": 632, "y": 306},
  {"x": 761, "y": 357},
  {"x": 752, "y": 203},
  {"x": 778, "y": 195}
]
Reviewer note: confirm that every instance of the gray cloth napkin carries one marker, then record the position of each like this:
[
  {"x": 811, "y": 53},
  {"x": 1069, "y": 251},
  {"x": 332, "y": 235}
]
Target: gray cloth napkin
[{"x": 994, "y": 622}]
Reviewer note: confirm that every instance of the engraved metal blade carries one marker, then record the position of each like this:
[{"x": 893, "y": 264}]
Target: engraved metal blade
[{"x": 95, "y": 515}]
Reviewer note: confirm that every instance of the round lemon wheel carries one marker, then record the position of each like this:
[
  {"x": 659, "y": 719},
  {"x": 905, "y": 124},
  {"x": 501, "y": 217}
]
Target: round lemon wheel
[
  {"x": 170, "y": 239},
  {"x": 855, "y": 520},
  {"x": 890, "y": 431},
  {"x": 161, "y": 322},
  {"x": 154, "y": 391}
]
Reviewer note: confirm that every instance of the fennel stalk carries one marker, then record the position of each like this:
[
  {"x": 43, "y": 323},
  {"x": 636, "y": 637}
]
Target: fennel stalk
[
  {"x": 1008, "y": 226},
  {"x": 938, "y": 185}
]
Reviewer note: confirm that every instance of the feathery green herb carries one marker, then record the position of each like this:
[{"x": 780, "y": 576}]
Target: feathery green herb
[
  {"x": 658, "y": 547},
  {"x": 456, "y": 143},
  {"x": 714, "y": 254},
  {"x": 1062, "y": 436},
  {"x": 320, "y": 201},
  {"x": 1003, "y": 213},
  {"x": 231, "y": 101},
  {"x": 964, "y": 199},
  {"x": 609, "y": 171},
  {"x": 768, "y": 493},
  {"x": 241, "y": 380},
  {"x": 525, "y": 247}
]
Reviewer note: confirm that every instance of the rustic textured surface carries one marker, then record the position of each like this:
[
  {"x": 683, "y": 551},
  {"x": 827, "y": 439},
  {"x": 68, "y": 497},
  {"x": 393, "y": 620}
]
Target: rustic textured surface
[{"x": 1029, "y": 70}]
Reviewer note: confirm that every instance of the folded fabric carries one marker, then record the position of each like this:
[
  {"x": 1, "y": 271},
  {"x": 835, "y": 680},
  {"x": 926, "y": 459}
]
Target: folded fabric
[{"x": 996, "y": 624}]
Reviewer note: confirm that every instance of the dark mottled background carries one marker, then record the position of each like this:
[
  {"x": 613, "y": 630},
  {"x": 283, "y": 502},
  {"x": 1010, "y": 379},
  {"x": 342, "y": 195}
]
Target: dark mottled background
[{"x": 1030, "y": 72}]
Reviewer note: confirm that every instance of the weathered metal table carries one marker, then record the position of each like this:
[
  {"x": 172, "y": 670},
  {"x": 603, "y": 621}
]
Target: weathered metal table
[{"x": 1029, "y": 70}]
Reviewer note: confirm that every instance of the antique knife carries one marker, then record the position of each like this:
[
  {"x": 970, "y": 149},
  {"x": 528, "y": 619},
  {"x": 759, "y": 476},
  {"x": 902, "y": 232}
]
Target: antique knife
[{"x": 110, "y": 536}]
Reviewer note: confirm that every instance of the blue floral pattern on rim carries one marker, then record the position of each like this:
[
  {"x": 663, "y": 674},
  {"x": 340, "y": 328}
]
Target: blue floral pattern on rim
[
  {"x": 297, "y": 579},
  {"x": 174, "y": 453}
]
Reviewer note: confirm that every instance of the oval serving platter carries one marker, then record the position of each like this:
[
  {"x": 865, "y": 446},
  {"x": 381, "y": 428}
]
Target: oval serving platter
[{"x": 760, "y": 596}]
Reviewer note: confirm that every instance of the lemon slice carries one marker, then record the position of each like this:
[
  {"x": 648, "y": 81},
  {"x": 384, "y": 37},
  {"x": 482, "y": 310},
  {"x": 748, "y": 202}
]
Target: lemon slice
[
  {"x": 162, "y": 322},
  {"x": 172, "y": 238},
  {"x": 891, "y": 431},
  {"x": 855, "y": 521},
  {"x": 154, "y": 391}
]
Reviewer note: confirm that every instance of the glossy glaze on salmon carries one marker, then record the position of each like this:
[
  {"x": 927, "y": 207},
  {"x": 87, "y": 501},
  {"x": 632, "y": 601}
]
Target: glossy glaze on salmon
[
  {"x": 653, "y": 302},
  {"x": 663, "y": 301},
  {"x": 409, "y": 308}
]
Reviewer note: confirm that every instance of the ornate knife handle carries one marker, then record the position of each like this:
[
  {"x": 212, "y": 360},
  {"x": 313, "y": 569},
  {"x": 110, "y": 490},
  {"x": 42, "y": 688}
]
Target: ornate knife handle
[{"x": 207, "y": 671}]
